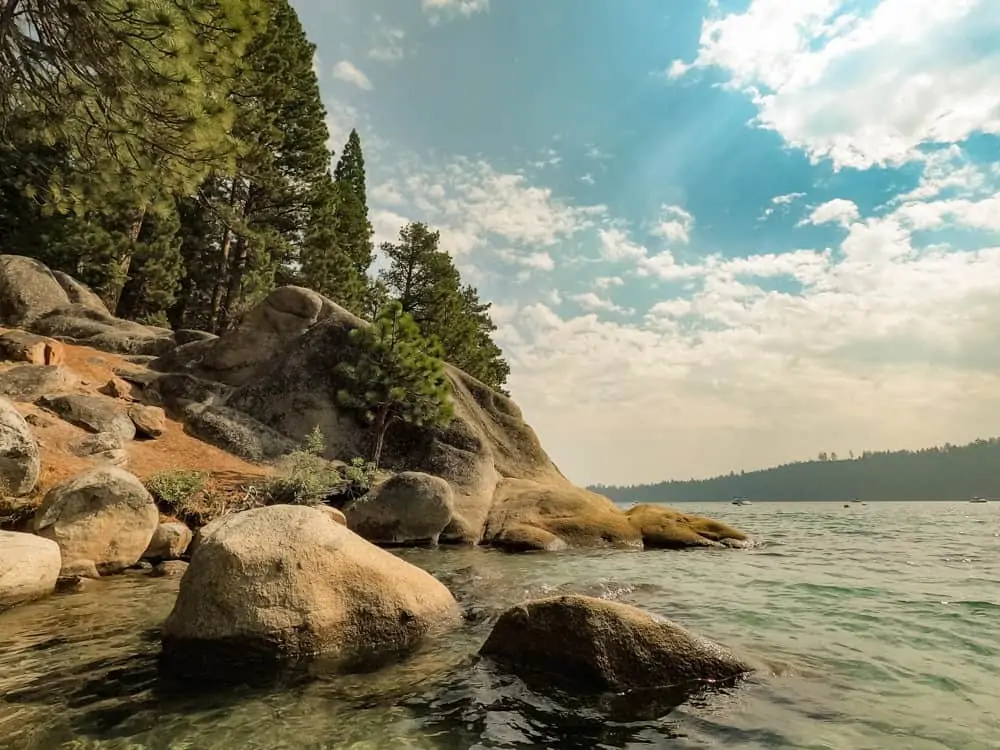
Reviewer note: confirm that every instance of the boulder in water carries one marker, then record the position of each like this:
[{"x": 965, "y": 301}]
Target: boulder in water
[
  {"x": 29, "y": 567},
  {"x": 666, "y": 528},
  {"x": 409, "y": 508},
  {"x": 169, "y": 542},
  {"x": 283, "y": 582},
  {"x": 105, "y": 516},
  {"x": 597, "y": 645}
]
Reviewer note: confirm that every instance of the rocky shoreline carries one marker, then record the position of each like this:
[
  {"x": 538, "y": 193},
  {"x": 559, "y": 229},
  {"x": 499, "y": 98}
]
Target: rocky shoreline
[{"x": 272, "y": 581}]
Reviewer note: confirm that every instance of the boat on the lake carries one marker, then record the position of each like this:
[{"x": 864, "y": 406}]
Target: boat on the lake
[
  {"x": 979, "y": 500},
  {"x": 741, "y": 501}
]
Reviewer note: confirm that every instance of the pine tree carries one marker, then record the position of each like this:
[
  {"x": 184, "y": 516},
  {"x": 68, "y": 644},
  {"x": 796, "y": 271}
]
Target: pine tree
[
  {"x": 262, "y": 212},
  {"x": 353, "y": 225},
  {"x": 325, "y": 267},
  {"x": 428, "y": 286},
  {"x": 398, "y": 375},
  {"x": 132, "y": 89}
]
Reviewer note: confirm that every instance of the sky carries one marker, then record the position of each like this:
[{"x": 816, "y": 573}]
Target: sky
[{"x": 717, "y": 235}]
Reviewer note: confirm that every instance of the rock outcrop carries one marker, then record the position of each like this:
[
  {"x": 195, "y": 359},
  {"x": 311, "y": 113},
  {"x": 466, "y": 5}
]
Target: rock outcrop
[
  {"x": 21, "y": 346},
  {"x": 94, "y": 413},
  {"x": 29, "y": 567},
  {"x": 410, "y": 508},
  {"x": 283, "y": 582},
  {"x": 28, "y": 290},
  {"x": 105, "y": 516},
  {"x": 666, "y": 528},
  {"x": 19, "y": 462},
  {"x": 169, "y": 542},
  {"x": 80, "y": 294},
  {"x": 28, "y": 383},
  {"x": 597, "y": 645},
  {"x": 150, "y": 421}
]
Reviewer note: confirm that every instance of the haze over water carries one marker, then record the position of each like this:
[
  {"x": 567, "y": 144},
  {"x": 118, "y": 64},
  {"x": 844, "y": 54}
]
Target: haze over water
[{"x": 878, "y": 627}]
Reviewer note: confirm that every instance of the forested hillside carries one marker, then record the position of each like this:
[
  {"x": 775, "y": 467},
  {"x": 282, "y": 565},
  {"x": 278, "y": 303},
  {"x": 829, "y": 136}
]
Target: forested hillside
[
  {"x": 173, "y": 156},
  {"x": 948, "y": 472}
]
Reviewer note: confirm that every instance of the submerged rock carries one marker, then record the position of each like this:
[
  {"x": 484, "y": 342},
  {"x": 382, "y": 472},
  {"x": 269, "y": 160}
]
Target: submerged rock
[
  {"x": 169, "y": 569},
  {"x": 19, "y": 462},
  {"x": 169, "y": 542},
  {"x": 283, "y": 582},
  {"x": 105, "y": 516},
  {"x": 29, "y": 567},
  {"x": 410, "y": 508},
  {"x": 666, "y": 528},
  {"x": 596, "y": 645}
]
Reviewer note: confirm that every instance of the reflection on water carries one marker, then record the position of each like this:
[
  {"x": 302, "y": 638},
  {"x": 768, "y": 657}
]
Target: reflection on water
[{"x": 876, "y": 627}]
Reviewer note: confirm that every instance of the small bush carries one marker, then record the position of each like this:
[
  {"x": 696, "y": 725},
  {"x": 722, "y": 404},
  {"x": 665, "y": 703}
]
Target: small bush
[
  {"x": 305, "y": 478},
  {"x": 174, "y": 491},
  {"x": 360, "y": 474}
]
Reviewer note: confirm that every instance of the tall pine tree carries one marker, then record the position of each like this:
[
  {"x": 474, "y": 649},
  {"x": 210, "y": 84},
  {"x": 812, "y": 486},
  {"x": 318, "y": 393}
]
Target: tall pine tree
[
  {"x": 261, "y": 213},
  {"x": 354, "y": 228},
  {"x": 429, "y": 288}
]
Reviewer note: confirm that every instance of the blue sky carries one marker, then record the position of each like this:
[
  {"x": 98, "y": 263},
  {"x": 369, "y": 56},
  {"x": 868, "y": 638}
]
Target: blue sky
[{"x": 717, "y": 235}]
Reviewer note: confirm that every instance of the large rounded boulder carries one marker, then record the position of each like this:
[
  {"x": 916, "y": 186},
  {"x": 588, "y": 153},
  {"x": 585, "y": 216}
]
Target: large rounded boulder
[
  {"x": 19, "y": 462},
  {"x": 285, "y": 582},
  {"x": 596, "y": 645},
  {"x": 666, "y": 528},
  {"x": 29, "y": 567},
  {"x": 105, "y": 516},
  {"x": 27, "y": 290},
  {"x": 410, "y": 508}
]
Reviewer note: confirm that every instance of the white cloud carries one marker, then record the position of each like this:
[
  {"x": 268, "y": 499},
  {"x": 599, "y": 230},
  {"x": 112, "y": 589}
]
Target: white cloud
[
  {"x": 675, "y": 224},
  {"x": 787, "y": 198},
  {"x": 534, "y": 261},
  {"x": 464, "y": 8},
  {"x": 607, "y": 282},
  {"x": 588, "y": 179},
  {"x": 838, "y": 210},
  {"x": 348, "y": 72},
  {"x": 593, "y": 303},
  {"x": 862, "y": 89},
  {"x": 388, "y": 43},
  {"x": 616, "y": 246}
]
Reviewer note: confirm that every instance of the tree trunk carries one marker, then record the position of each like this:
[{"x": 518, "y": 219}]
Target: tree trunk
[
  {"x": 125, "y": 262},
  {"x": 220, "y": 282},
  {"x": 381, "y": 426},
  {"x": 236, "y": 271},
  {"x": 7, "y": 18}
]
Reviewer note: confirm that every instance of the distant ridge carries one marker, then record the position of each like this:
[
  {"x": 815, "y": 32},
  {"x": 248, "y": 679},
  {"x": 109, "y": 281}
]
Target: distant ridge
[{"x": 947, "y": 472}]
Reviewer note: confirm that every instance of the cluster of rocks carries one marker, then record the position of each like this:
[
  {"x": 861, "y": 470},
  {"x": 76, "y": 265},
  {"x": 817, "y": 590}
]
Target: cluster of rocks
[{"x": 286, "y": 582}]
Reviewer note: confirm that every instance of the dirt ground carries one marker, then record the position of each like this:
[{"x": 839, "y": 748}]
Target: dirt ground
[{"x": 175, "y": 450}]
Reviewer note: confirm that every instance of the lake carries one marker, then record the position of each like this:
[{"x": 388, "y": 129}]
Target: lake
[{"x": 878, "y": 625}]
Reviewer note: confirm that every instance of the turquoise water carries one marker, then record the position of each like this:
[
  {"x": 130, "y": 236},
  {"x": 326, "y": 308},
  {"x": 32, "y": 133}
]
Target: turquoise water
[{"x": 877, "y": 626}]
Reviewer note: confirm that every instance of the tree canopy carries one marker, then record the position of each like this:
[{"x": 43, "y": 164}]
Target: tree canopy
[
  {"x": 398, "y": 375},
  {"x": 174, "y": 156}
]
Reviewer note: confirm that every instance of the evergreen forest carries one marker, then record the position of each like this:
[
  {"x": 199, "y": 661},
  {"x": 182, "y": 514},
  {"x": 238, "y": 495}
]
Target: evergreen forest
[
  {"x": 172, "y": 155},
  {"x": 948, "y": 472}
]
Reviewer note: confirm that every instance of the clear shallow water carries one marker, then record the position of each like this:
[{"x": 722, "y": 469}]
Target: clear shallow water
[{"x": 878, "y": 627}]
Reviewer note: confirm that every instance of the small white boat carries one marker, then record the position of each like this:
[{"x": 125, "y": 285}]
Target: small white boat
[
  {"x": 979, "y": 500},
  {"x": 741, "y": 501}
]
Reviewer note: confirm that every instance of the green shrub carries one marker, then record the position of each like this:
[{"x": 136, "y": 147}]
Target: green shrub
[
  {"x": 360, "y": 474},
  {"x": 305, "y": 477},
  {"x": 175, "y": 491}
]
